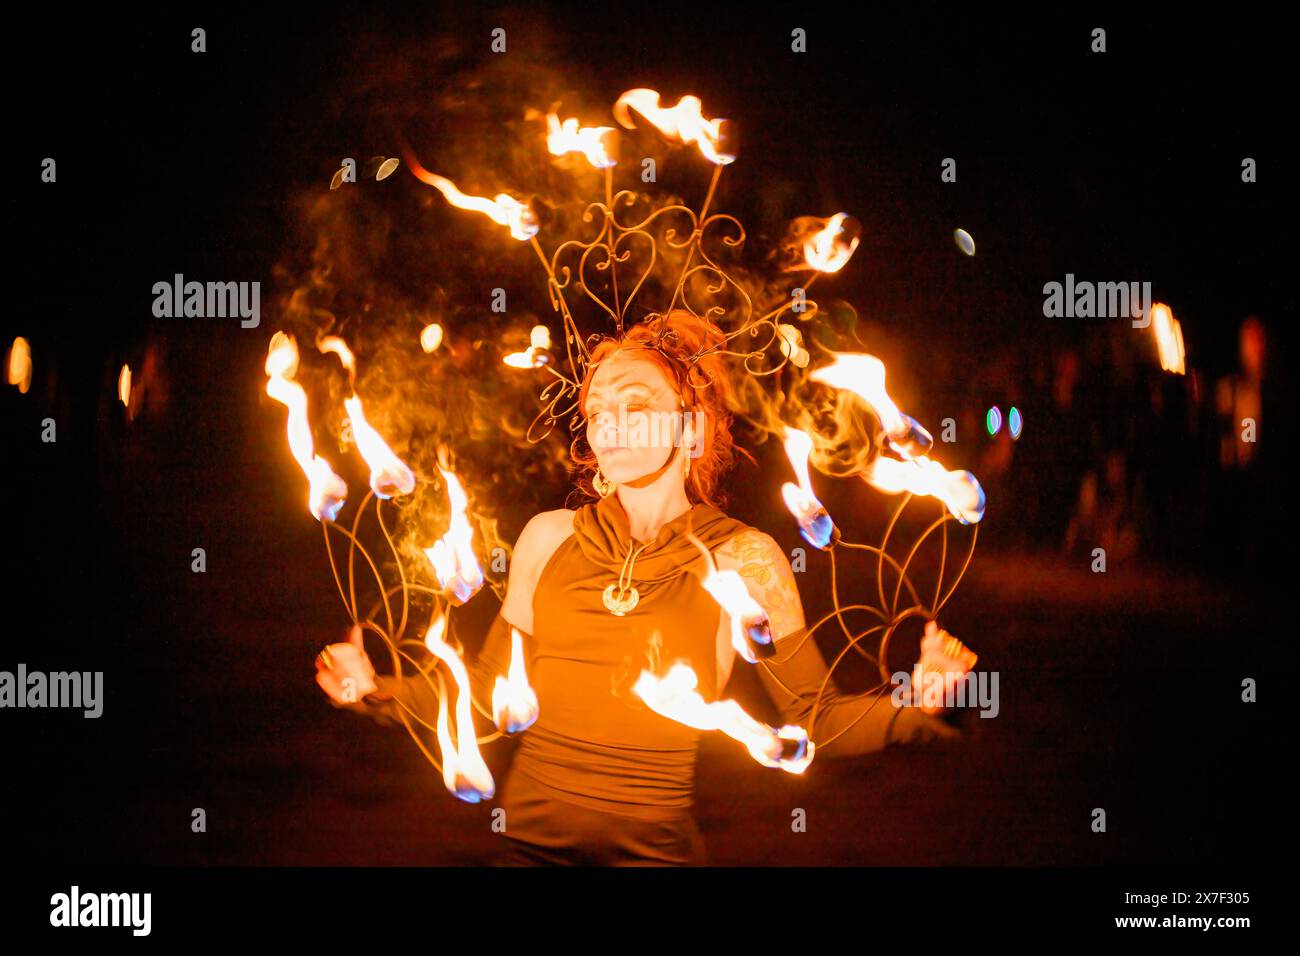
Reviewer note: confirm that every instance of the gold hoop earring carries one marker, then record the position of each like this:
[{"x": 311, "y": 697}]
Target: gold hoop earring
[{"x": 604, "y": 487}]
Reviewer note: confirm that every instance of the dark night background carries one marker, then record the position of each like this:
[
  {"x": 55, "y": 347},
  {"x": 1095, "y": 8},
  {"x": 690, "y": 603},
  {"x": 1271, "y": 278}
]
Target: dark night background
[{"x": 1119, "y": 691}]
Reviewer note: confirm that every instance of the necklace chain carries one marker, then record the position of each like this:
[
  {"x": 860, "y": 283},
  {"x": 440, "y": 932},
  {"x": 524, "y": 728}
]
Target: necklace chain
[
  {"x": 628, "y": 565},
  {"x": 622, "y": 597}
]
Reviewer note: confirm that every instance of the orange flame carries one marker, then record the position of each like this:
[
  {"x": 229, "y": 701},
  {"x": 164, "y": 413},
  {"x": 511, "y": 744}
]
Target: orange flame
[
  {"x": 674, "y": 696},
  {"x": 389, "y": 476},
  {"x": 815, "y": 522},
  {"x": 798, "y": 446},
  {"x": 452, "y": 555},
  {"x": 535, "y": 356},
  {"x": 684, "y": 122},
  {"x": 864, "y": 375},
  {"x": 1169, "y": 339},
  {"x": 124, "y": 385},
  {"x": 332, "y": 344},
  {"x": 20, "y": 365},
  {"x": 597, "y": 143},
  {"x": 327, "y": 491},
  {"x": 464, "y": 772},
  {"x": 504, "y": 210},
  {"x": 514, "y": 702},
  {"x": 829, "y": 249},
  {"x": 528, "y": 359},
  {"x": 958, "y": 490}
]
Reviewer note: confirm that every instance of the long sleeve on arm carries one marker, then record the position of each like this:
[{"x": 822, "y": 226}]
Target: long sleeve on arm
[
  {"x": 846, "y": 725},
  {"x": 492, "y": 659}
]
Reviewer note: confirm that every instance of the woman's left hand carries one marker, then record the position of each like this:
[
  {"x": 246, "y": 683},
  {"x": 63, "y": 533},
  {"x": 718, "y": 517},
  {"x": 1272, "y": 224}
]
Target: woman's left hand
[
  {"x": 344, "y": 672},
  {"x": 943, "y": 654}
]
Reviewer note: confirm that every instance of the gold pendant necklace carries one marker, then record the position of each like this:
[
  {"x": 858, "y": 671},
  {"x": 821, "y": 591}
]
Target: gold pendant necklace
[
  {"x": 619, "y": 604},
  {"x": 622, "y": 597}
]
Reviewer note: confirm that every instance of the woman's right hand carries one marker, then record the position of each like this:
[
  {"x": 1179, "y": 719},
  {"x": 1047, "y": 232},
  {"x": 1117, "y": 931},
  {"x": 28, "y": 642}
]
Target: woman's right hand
[{"x": 344, "y": 672}]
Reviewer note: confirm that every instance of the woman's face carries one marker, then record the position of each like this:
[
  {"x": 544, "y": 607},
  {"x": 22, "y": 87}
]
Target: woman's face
[{"x": 633, "y": 417}]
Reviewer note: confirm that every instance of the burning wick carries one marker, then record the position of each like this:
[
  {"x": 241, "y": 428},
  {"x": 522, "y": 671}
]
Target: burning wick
[
  {"x": 514, "y": 702},
  {"x": 328, "y": 492},
  {"x": 958, "y": 490},
  {"x": 832, "y": 247},
  {"x": 452, "y": 555},
  {"x": 815, "y": 522},
  {"x": 864, "y": 376},
  {"x": 674, "y": 696},
  {"x": 536, "y": 356},
  {"x": 598, "y": 143},
  {"x": 751, "y": 630},
  {"x": 503, "y": 210},
  {"x": 684, "y": 122},
  {"x": 912, "y": 441},
  {"x": 464, "y": 772},
  {"x": 389, "y": 476}
]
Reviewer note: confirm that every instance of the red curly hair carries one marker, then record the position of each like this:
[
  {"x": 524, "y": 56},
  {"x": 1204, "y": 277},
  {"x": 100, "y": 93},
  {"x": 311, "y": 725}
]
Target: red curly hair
[{"x": 704, "y": 386}]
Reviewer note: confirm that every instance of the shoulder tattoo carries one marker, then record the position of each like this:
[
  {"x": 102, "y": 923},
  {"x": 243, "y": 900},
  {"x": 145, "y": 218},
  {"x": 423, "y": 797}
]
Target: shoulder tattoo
[{"x": 766, "y": 571}]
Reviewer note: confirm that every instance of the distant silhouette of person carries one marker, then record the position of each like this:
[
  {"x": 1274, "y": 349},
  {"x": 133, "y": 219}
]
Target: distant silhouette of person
[
  {"x": 1107, "y": 513},
  {"x": 1239, "y": 404},
  {"x": 1239, "y": 400}
]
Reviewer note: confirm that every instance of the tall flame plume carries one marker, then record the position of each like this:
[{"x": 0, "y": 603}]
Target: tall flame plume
[{"x": 327, "y": 491}]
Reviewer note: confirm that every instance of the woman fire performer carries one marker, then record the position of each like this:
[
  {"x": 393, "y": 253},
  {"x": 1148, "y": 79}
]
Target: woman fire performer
[{"x": 602, "y": 592}]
